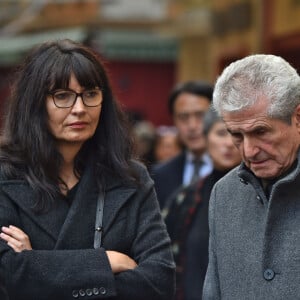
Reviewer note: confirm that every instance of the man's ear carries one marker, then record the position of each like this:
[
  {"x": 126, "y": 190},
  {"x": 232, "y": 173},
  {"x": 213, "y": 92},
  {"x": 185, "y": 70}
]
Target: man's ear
[{"x": 296, "y": 117}]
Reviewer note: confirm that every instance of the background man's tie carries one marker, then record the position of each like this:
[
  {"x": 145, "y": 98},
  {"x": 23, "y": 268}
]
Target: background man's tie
[{"x": 197, "y": 162}]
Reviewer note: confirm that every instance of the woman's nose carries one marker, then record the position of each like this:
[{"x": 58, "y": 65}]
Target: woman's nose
[{"x": 78, "y": 105}]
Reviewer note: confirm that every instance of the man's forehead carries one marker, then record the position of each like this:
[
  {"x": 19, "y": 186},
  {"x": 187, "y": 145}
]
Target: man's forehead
[
  {"x": 259, "y": 110},
  {"x": 190, "y": 110},
  {"x": 246, "y": 121}
]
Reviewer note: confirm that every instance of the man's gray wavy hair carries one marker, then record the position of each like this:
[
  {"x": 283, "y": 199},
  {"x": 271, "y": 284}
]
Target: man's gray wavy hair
[{"x": 255, "y": 77}]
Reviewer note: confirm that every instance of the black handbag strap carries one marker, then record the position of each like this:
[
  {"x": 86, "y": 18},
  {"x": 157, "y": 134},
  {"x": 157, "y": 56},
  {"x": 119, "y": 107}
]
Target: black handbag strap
[{"x": 99, "y": 220}]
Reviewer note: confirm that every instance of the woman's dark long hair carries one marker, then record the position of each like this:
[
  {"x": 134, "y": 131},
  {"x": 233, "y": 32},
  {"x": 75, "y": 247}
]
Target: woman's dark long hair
[{"x": 28, "y": 149}]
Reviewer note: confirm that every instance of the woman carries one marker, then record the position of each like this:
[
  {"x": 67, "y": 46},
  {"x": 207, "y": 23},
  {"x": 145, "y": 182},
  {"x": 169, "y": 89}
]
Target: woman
[
  {"x": 187, "y": 213},
  {"x": 65, "y": 149}
]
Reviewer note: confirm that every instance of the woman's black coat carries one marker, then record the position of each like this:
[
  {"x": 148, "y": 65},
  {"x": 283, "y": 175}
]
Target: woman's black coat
[{"x": 63, "y": 263}]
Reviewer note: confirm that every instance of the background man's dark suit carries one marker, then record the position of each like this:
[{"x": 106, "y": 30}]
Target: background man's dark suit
[{"x": 168, "y": 177}]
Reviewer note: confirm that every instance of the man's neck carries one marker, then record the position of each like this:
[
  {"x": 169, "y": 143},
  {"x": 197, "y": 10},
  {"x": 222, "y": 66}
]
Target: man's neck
[
  {"x": 271, "y": 181},
  {"x": 195, "y": 155}
]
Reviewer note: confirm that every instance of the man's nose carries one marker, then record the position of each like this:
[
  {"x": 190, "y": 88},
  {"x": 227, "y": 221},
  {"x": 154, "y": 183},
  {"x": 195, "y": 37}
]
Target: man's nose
[
  {"x": 250, "y": 147},
  {"x": 195, "y": 123}
]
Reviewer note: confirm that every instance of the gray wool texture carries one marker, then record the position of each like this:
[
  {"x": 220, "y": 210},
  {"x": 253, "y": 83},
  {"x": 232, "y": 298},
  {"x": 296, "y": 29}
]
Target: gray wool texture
[{"x": 252, "y": 236}]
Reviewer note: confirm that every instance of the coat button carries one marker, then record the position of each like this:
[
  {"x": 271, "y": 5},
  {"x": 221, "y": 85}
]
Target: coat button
[
  {"x": 75, "y": 294},
  {"x": 95, "y": 291},
  {"x": 82, "y": 293},
  {"x": 89, "y": 292},
  {"x": 269, "y": 274},
  {"x": 258, "y": 198},
  {"x": 243, "y": 181},
  {"x": 102, "y": 290}
]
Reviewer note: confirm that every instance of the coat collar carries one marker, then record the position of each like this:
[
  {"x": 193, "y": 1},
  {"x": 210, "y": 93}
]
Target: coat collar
[
  {"x": 24, "y": 198},
  {"x": 247, "y": 176},
  {"x": 71, "y": 231}
]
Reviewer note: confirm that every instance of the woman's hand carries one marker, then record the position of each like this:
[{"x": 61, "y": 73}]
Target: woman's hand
[
  {"x": 120, "y": 262},
  {"x": 15, "y": 238}
]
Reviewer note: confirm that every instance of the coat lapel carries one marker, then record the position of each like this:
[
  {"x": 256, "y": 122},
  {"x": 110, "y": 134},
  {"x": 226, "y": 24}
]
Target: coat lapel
[
  {"x": 79, "y": 227},
  {"x": 23, "y": 196},
  {"x": 115, "y": 199},
  {"x": 76, "y": 227}
]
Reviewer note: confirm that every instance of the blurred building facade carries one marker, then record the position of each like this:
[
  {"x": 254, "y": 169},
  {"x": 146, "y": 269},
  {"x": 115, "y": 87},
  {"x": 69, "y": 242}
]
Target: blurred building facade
[{"x": 149, "y": 45}]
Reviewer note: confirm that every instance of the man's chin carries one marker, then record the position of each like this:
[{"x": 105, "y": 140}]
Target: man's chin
[
  {"x": 265, "y": 174},
  {"x": 198, "y": 150}
]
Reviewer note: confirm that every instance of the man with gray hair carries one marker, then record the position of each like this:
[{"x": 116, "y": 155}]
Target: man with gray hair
[{"x": 254, "y": 213}]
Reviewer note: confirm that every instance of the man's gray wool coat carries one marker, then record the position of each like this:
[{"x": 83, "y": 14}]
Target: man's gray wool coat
[{"x": 254, "y": 250}]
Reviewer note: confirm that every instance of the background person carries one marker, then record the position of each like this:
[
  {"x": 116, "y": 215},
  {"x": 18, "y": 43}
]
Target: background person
[
  {"x": 166, "y": 144},
  {"x": 254, "y": 215},
  {"x": 187, "y": 216},
  {"x": 65, "y": 144},
  {"x": 187, "y": 103},
  {"x": 144, "y": 138}
]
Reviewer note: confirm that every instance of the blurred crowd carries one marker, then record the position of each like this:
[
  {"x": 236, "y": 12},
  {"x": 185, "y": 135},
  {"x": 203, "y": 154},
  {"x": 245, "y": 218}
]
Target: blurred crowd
[
  {"x": 155, "y": 144},
  {"x": 185, "y": 160}
]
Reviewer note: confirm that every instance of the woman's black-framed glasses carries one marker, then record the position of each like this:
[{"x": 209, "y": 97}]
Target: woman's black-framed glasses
[{"x": 67, "y": 98}]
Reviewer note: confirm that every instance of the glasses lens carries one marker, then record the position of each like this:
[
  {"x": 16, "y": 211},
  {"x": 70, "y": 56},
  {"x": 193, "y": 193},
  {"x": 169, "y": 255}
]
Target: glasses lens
[
  {"x": 92, "y": 97},
  {"x": 64, "y": 98}
]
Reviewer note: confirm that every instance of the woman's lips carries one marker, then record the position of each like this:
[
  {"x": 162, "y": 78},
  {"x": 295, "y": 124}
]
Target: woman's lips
[{"x": 78, "y": 125}]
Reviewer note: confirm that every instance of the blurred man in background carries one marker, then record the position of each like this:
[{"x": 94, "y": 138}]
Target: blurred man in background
[{"x": 187, "y": 103}]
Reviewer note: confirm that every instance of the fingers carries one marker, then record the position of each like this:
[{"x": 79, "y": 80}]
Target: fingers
[
  {"x": 15, "y": 238},
  {"x": 16, "y": 245},
  {"x": 14, "y": 232},
  {"x": 120, "y": 262}
]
